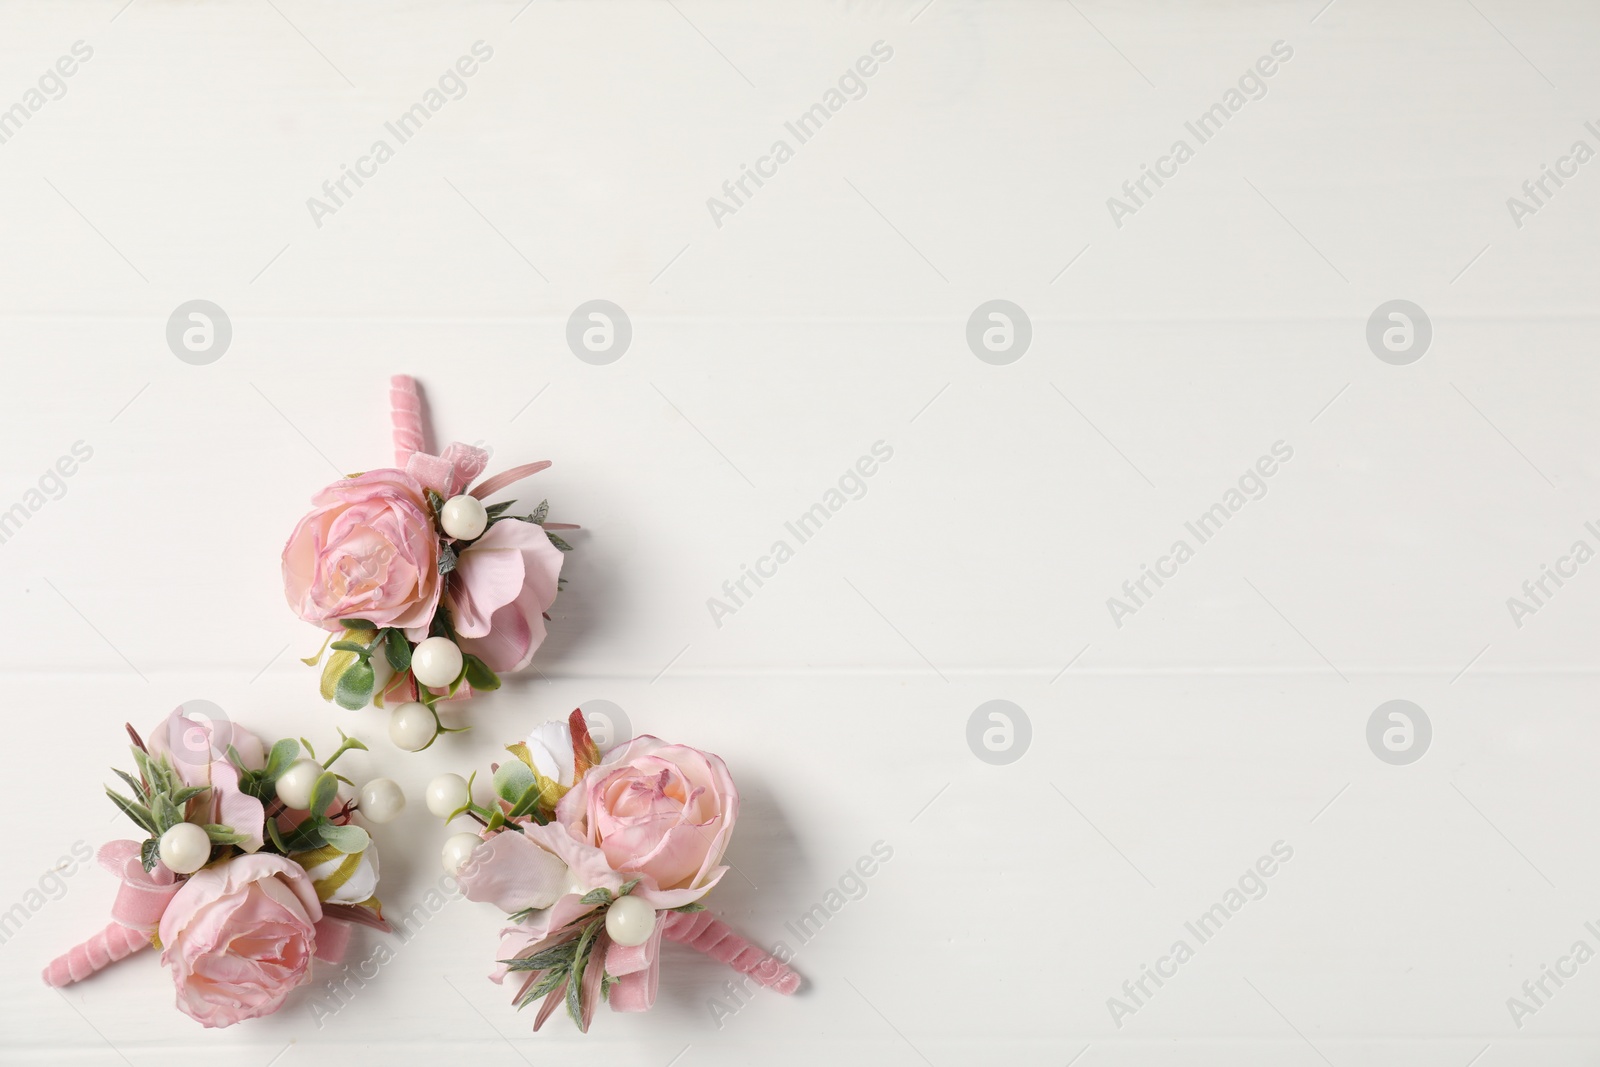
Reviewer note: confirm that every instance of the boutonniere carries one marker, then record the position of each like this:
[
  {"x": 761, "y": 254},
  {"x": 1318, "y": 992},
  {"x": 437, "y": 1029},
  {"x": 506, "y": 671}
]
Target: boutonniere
[
  {"x": 251, "y": 867},
  {"x": 597, "y": 860},
  {"x": 427, "y": 591}
]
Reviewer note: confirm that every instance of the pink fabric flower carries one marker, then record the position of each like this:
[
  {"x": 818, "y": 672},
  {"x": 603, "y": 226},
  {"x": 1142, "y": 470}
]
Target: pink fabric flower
[
  {"x": 658, "y": 810},
  {"x": 239, "y": 938},
  {"x": 498, "y": 594},
  {"x": 197, "y": 748},
  {"x": 368, "y": 550}
]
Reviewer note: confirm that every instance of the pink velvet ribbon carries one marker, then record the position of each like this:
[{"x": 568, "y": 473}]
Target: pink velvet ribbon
[
  {"x": 135, "y": 914},
  {"x": 638, "y": 967},
  {"x": 457, "y": 466}
]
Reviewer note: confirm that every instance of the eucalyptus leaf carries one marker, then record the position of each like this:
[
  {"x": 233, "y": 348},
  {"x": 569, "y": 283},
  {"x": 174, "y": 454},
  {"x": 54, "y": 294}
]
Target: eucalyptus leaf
[
  {"x": 355, "y": 685},
  {"x": 512, "y": 780},
  {"x": 324, "y": 792},
  {"x": 283, "y": 753},
  {"x": 348, "y": 839}
]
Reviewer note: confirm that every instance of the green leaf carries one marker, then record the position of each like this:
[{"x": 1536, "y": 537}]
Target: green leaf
[
  {"x": 283, "y": 753},
  {"x": 150, "y": 853},
  {"x": 140, "y": 814},
  {"x": 580, "y": 960},
  {"x": 303, "y": 838},
  {"x": 166, "y": 812},
  {"x": 224, "y": 835},
  {"x": 512, "y": 780},
  {"x": 358, "y": 624},
  {"x": 324, "y": 793},
  {"x": 478, "y": 674},
  {"x": 497, "y": 510},
  {"x": 133, "y": 784},
  {"x": 397, "y": 649},
  {"x": 597, "y": 896},
  {"x": 628, "y": 887},
  {"x": 348, "y": 839},
  {"x": 689, "y": 909},
  {"x": 540, "y": 513},
  {"x": 436, "y": 502},
  {"x": 558, "y": 542},
  {"x": 276, "y": 837},
  {"x": 188, "y": 793},
  {"x": 559, "y": 956},
  {"x": 362, "y": 651},
  {"x": 447, "y": 559},
  {"x": 354, "y": 689},
  {"x": 542, "y": 987}
]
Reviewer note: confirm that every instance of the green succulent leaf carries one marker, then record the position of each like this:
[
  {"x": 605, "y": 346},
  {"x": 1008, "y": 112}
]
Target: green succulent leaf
[{"x": 141, "y": 815}]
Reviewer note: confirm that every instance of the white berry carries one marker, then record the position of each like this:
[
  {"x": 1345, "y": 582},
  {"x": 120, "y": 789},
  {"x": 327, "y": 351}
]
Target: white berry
[
  {"x": 382, "y": 799},
  {"x": 185, "y": 848},
  {"x": 412, "y": 726},
  {"x": 296, "y": 784},
  {"x": 630, "y": 921},
  {"x": 447, "y": 794},
  {"x": 458, "y": 849},
  {"x": 463, "y": 517},
  {"x": 436, "y": 662}
]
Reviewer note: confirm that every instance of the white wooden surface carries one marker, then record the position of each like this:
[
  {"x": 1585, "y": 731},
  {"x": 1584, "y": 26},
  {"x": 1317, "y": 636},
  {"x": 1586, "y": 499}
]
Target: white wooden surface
[{"x": 769, "y": 353}]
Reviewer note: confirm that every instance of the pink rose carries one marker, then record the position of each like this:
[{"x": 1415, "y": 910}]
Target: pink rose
[
  {"x": 498, "y": 594},
  {"x": 368, "y": 550},
  {"x": 240, "y": 937},
  {"x": 658, "y": 810}
]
